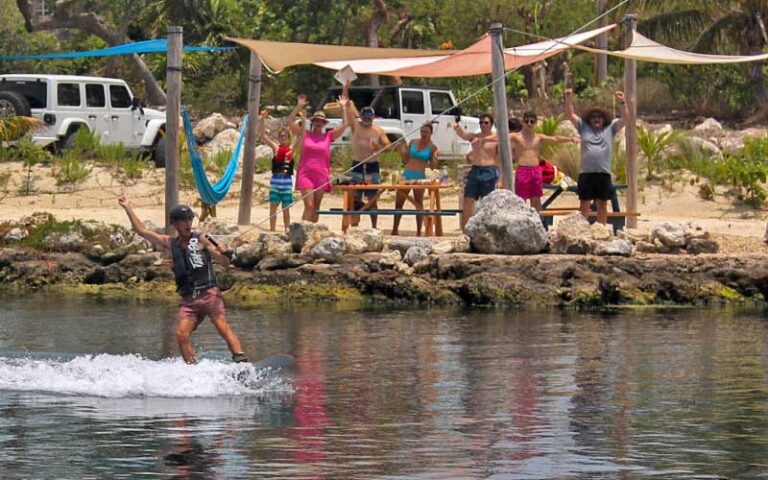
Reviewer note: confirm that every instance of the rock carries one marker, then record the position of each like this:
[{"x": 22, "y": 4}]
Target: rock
[
  {"x": 402, "y": 244},
  {"x": 71, "y": 241},
  {"x": 671, "y": 235},
  {"x": 263, "y": 152},
  {"x": 209, "y": 127},
  {"x": 224, "y": 141},
  {"x": 600, "y": 232},
  {"x": 151, "y": 226},
  {"x": 633, "y": 235},
  {"x": 113, "y": 256},
  {"x": 213, "y": 226},
  {"x": 16, "y": 234},
  {"x": 389, "y": 260},
  {"x": 284, "y": 262},
  {"x": 119, "y": 238},
  {"x": 275, "y": 245},
  {"x": 709, "y": 124},
  {"x": 300, "y": 233},
  {"x": 330, "y": 249},
  {"x": 660, "y": 247},
  {"x": 702, "y": 245},
  {"x": 692, "y": 230},
  {"x": 705, "y": 146},
  {"x": 643, "y": 246},
  {"x": 503, "y": 223},
  {"x": 614, "y": 247},
  {"x": 460, "y": 244},
  {"x": 248, "y": 255},
  {"x": 372, "y": 238},
  {"x": 37, "y": 218},
  {"x": 356, "y": 246},
  {"x": 96, "y": 252},
  {"x": 571, "y": 235},
  {"x": 414, "y": 255}
]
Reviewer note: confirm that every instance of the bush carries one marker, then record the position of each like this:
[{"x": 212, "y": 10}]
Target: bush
[
  {"x": 27, "y": 151},
  {"x": 654, "y": 145},
  {"x": 71, "y": 170},
  {"x": 85, "y": 144},
  {"x": 567, "y": 158}
]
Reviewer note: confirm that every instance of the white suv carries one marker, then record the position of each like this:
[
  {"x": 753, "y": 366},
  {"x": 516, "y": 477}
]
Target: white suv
[{"x": 67, "y": 103}]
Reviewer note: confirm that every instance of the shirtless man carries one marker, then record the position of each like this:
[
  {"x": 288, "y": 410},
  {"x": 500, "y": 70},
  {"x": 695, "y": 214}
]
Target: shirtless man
[
  {"x": 526, "y": 148},
  {"x": 367, "y": 140},
  {"x": 482, "y": 177}
]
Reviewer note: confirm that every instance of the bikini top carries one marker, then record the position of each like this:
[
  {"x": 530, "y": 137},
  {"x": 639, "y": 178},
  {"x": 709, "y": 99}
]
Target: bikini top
[{"x": 423, "y": 155}]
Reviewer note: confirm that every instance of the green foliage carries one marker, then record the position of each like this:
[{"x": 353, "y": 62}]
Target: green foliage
[
  {"x": 86, "y": 144},
  {"x": 567, "y": 158},
  {"x": 748, "y": 171},
  {"x": 71, "y": 170},
  {"x": 549, "y": 125},
  {"x": 13, "y": 128},
  {"x": 132, "y": 167},
  {"x": 654, "y": 145},
  {"x": 27, "y": 151}
]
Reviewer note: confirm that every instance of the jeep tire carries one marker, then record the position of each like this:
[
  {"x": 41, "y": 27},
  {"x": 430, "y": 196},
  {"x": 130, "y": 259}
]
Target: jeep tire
[
  {"x": 158, "y": 154},
  {"x": 14, "y": 104}
]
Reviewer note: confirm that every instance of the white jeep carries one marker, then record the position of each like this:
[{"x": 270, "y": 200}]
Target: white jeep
[
  {"x": 400, "y": 112},
  {"x": 67, "y": 103}
]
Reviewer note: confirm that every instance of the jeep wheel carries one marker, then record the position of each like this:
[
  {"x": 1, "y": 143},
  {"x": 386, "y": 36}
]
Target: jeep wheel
[
  {"x": 158, "y": 155},
  {"x": 14, "y": 104}
]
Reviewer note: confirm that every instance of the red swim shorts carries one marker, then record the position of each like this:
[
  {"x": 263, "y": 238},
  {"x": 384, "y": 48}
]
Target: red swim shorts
[
  {"x": 208, "y": 303},
  {"x": 528, "y": 182}
]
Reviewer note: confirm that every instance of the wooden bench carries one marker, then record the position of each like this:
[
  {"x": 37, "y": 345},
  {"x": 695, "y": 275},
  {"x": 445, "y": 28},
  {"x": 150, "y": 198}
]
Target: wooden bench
[{"x": 387, "y": 211}]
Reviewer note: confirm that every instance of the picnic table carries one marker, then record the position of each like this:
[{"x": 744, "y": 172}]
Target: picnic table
[
  {"x": 616, "y": 217},
  {"x": 432, "y": 213}
]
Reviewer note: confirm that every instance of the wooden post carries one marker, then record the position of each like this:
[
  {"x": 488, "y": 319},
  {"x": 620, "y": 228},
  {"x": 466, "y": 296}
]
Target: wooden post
[
  {"x": 630, "y": 125},
  {"x": 249, "y": 161},
  {"x": 602, "y": 44},
  {"x": 173, "y": 93},
  {"x": 500, "y": 103}
]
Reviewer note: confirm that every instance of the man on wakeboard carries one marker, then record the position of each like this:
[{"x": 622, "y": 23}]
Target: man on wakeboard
[{"x": 191, "y": 255}]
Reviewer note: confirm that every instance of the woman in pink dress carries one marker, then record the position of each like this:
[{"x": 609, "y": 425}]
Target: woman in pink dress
[{"x": 313, "y": 176}]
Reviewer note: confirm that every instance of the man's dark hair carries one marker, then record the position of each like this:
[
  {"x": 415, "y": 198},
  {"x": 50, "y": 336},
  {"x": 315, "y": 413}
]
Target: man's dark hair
[
  {"x": 489, "y": 117},
  {"x": 515, "y": 125},
  {"x": 530, "y": 114}
]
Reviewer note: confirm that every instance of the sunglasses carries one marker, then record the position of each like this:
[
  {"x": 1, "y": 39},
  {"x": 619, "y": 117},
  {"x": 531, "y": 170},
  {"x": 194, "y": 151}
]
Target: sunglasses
[
  {"x": 596, "y": 117},
  {"x": 485, "y": 122},
  {"x": 530, "y": 121}
]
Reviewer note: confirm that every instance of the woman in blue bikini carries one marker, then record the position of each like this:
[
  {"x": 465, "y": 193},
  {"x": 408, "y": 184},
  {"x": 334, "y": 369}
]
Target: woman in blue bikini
[{"x": 417, "y": 156}]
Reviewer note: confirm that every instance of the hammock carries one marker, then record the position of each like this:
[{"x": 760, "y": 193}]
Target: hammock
[{"x": 212, "y": 194}]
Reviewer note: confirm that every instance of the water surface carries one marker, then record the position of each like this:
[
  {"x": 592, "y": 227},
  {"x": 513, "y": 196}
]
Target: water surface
[{"x": 94, "y": 389}]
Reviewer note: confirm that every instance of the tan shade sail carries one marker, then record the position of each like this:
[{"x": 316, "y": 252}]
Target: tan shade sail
[
  {"x": 474, "y": 60},
  {"x": 276, "y": 56},
  {"x": 646, "y": 50}
]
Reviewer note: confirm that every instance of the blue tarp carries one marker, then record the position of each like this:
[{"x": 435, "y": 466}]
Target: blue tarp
[
  {"x": 212, "y": 194},
  {"x": 147, "y": 46}
]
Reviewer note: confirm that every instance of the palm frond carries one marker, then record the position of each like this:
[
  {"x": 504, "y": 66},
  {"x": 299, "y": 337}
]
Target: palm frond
[
  {"x": 13, "y": 128},
  {"x": 675, "y": 25},
  {"x": 725, "y": 34}
]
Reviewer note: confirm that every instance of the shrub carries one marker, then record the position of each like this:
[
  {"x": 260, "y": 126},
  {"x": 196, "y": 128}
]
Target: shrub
[
  {"x": 654, "y": 145},
  {"x": 567, "y": 158},
  {"x": 132, "y": 167},
  {"x": 71, "y": 170},
  {"x": 85, "y": 143}
]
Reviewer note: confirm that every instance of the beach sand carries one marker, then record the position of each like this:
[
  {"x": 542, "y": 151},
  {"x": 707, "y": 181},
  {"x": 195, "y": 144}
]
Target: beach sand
[{"x": 739, "y": 228}]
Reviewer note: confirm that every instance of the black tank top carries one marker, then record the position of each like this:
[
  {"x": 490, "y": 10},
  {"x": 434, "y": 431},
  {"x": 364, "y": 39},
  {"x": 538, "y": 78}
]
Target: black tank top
[{"x": 192, "y": 267}]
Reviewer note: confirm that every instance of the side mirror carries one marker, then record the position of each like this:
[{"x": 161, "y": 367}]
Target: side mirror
[{"x": 137, "y": 103}]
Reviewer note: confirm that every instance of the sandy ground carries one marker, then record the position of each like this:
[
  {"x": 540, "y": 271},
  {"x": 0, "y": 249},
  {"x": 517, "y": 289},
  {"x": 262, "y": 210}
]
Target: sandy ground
[{"x": 738, "y": 227}]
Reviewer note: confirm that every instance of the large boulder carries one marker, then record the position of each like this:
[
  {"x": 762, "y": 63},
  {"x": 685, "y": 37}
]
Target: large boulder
[
  {"x": 303, "y": 233},
  {"x": 708, "y": 125},
  {"x": 209, "y": 127},
  {"x": 263, "y": 152},
  {"x": 266, "y": 245},
  {"x": 504, "y": 223},
  {"x": 222, "y": 142},
  {"x": 571, "y": 235},
  {"x": 706, "y": 147}
]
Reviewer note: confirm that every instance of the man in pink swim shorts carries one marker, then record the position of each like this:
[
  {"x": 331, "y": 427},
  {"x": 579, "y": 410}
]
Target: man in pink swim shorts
[{"x": 526, "y": 146}]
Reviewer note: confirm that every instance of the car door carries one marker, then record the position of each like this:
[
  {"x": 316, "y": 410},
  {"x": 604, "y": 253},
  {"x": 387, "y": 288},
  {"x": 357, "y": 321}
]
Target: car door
[
  {"x": 441, "y": 104},
  {"x": 126, "y": 125},
  {"x": 96, "y": 110},
  {"x": 69, "y": 102},
  {"x": 413, "y": 111}
]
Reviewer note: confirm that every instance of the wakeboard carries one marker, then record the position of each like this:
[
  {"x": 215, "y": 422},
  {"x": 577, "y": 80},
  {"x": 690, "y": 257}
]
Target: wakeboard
[{"x": 280, "y": 361}]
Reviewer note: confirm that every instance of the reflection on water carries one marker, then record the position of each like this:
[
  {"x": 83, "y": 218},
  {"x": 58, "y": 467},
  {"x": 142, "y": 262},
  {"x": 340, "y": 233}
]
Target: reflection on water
[{"x": 409, "y": 394}]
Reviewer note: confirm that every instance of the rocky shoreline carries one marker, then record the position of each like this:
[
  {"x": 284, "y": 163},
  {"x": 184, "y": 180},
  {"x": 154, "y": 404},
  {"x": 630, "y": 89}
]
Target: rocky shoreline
[{"x": 458, "y": 279}]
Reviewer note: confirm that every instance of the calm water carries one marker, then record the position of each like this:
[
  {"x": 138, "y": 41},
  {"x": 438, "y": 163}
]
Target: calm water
[{"x": 91, "y": 389}]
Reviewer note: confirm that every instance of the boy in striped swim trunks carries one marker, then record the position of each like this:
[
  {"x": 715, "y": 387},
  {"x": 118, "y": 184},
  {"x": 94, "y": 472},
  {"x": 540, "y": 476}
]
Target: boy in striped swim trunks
[{"x": 281, "y": 183}]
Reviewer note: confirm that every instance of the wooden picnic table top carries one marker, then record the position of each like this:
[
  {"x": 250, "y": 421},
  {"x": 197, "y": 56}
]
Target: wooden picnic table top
[{"x": 395, "y": 186}]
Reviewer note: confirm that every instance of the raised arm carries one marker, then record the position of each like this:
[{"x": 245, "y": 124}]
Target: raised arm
[
  {"x": 301, "y": 102},
  {"x": 155, "y": 238},
  {"x": 265, "y": 138},
  {"x": 461, "y": 133},
  {"x": 352, "y": 107},
  {"x": 339, "y": 131},
  {"x": 570, "y": 114},
  {"x": 623, "y": 109},
  {"x": 214, "y": 250}
]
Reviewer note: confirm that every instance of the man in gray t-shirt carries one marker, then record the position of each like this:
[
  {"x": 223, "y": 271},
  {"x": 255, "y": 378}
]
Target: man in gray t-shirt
[{"x": 597, "y": 132}]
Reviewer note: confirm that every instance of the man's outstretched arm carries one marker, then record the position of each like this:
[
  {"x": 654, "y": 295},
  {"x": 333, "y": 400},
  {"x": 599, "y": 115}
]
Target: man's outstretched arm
[{"x": 155, "y": 238}]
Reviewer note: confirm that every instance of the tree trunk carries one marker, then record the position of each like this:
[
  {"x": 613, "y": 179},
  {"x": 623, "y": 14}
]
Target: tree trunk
[
  {"x": 756, "y": 75},
  {"x": 378, "y": 17},
  {"x": 76, "y": 16}
]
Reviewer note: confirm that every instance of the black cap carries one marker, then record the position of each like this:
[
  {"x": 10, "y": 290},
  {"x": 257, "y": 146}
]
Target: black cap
[{"x": 181, "y": 212}]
